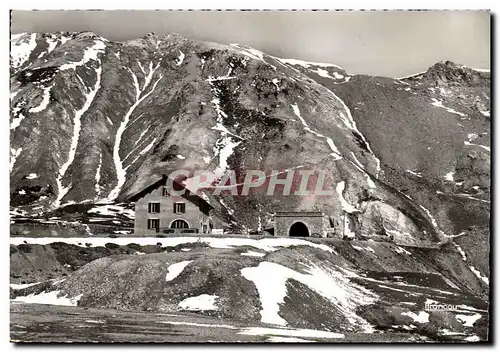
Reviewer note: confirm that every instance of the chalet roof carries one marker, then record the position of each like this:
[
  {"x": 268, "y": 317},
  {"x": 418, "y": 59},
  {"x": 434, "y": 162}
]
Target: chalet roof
[{"x": 188, "y": 195}]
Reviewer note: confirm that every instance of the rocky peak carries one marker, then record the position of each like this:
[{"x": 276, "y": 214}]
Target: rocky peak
[
  {"x": 154, "y": 41},
  {"x": 448, "y": 72},
  {"x": 87, "y": 35}
]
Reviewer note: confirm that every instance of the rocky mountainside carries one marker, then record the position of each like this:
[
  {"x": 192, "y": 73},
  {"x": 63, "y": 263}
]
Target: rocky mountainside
[
  {"x": 95, "y": 121},
  {"x": 333, "y": 286}
]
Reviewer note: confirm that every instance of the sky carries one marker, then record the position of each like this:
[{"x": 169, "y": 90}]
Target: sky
[{"x": 384, "y": 43}]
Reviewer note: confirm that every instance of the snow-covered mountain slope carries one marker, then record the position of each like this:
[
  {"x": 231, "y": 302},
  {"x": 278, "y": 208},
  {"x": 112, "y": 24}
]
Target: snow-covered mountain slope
[
  {"x": 96, "y": 121},
  {"x": 333, "y": 286}
]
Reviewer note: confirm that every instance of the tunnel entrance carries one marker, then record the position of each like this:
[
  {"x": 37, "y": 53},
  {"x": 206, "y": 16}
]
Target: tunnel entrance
[{"x": 298, "y": 229}]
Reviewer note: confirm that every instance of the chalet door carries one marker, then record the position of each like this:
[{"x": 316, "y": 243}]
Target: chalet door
[{"x": 179, "y": 224}]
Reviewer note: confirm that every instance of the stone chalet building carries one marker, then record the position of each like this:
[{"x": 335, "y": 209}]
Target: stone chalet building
[{"x": 156, "y": 211}]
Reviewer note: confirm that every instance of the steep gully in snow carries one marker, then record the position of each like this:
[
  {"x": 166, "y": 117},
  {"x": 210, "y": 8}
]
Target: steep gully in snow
[{"x": 139, "y": 96}]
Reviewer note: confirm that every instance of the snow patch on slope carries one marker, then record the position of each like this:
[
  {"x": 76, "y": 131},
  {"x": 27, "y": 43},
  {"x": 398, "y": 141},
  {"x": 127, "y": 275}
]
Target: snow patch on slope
[
  {"x": 367, "y": 248},
  {"x": 21, "y": 48},
  {"x": 176, "y": 269},
  {"x": 479, "y": 275},
  {"x": 52, "y": 43},
  {"x": 141, "y": 153},
  {"x": 417, "y": 174},
  {"x": 485, "y": 112},
  {"x": 336, "y": 76},
  {"x": 270, "y": 280},
  {"x": 112, "y": 210},
  {"x": 296, "y": 111},
  {"x": 180, "y": 59},
  {"x": 16, "y": 121},
  {"x": 62, "y": 190},
  {"x": 472, "y": 268},
  {"x": 324, "y": 73},
  {"x": 433, "y": 221},
  {"x": 14, "y": 154},
  {"x": 461, "y": 251},
  {"x": 401, "y": 250},
  {"x": 467, "y": 320},
  {"x": 439, "y": 104},
  {"x": 449, "y": 176},
  {"x": 258, "y": 331},
  {"x": 351, "y": 124},
  {"x": 139, "y": 141},
  {"x": 20, "y": 286},
  {"x": 345, "y": 205},
  {"x": 307, "y": 64},
  {"x": 90, "y": 53},
  {"x": 121, "y": 172},
  {"x": 44, "y": 103},
  {"x": 477, "y": 145},
  {"x": 252, "y": 53},
  {"x": 97, "y": 187},
  {"x": 201, "y": 302},
  {"x": 335, "y": 151},
  {"x": 224, "y": 146},
  {"x": 421, "y": 317},
  {"x": 286, "y": 339},
  {"x": 253, "y": 254},
  {"x": 49, "y": 298}
]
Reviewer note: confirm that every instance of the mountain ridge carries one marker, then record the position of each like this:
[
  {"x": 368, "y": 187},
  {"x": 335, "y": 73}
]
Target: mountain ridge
[{"x": 228, "y": 96}]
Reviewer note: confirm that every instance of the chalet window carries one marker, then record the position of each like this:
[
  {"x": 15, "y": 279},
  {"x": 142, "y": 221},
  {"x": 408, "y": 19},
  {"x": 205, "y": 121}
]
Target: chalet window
[
  {"x": 153, "y": 224},
  {"x": 153, "y": 207},
  {"x": 165, "y": 192},
  {"x": 179, "y": 208}
]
